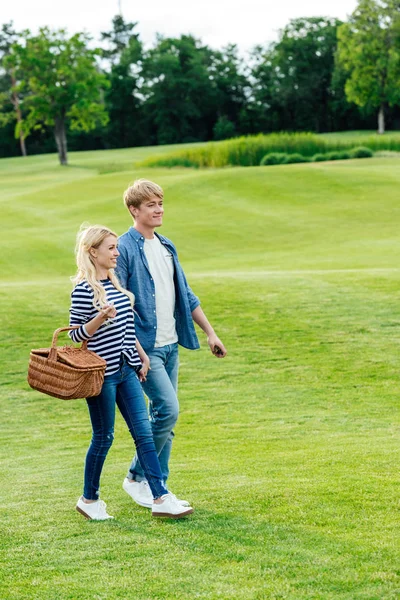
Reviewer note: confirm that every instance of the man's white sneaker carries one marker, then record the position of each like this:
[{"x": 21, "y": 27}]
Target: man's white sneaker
[
  {"x": 170, "y": 507},
  {"x": 139, "y": 491},
  {"x": 95, "y": 511}
]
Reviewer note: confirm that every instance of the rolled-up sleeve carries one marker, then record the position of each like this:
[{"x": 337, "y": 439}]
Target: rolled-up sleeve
[
  {"x": 193, "y": 300},
  {"x": 80, "y": 313}
]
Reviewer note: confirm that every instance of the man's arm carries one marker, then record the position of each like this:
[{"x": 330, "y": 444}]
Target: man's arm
[
  {"x": 216, "y": 346},
  {"x": 122, "y": 267}
]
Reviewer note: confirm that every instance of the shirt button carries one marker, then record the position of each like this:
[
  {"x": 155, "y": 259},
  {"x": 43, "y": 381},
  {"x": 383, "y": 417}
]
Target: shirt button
[
  {"x": 154, "y": 311},
  {"x": 155, "y": 327},
  {"x": 153, "y": 295}
]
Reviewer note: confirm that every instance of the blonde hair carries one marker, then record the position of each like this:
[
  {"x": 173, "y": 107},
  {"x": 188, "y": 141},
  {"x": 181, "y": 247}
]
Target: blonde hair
[
  {"x": 92, "y": 236},
  {"x": 141, "y": 190}
]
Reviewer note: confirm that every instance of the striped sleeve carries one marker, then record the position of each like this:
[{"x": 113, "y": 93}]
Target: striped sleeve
[{"x": 81, "y": 311}]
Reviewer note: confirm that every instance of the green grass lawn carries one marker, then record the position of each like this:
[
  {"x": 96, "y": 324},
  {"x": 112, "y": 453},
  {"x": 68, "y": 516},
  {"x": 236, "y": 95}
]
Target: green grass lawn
[{"x": 289, "y": 449}]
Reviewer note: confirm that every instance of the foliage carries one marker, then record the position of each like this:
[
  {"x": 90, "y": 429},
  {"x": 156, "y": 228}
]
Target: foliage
[
  {"x": 223, "y": 129},
  {"x": 361, "y": 152},
  {"x": 369, "y": 51},
  {"x": 249, "y": 151},
  {"x": 297, "y": 158},
  {"x": 10, "y": 89},
  {"x": 333, "y": 156},
  {"x": 319, "y": 157},
  {"x": 274, "y": 158},
  {"x": 61, "y": 81},
  {"x": 344, "y": 155},
  {"x": 124, "y": 52},
  {"x": 293, "y": 78},
  {"x": 179, "y": 90}
]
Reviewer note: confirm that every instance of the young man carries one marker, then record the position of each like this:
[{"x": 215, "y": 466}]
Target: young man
[{"x": 165, "y": 309}]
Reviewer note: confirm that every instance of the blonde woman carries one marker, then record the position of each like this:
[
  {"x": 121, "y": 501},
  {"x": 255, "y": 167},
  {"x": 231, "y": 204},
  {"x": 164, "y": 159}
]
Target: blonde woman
[{"x": 103, "y": 310}]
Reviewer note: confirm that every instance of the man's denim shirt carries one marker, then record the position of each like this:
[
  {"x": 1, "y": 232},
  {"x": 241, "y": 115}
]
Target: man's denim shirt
[{"x": 134, "y": 274}]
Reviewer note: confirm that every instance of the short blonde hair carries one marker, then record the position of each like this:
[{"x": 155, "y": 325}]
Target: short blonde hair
[{"x": 140, "y": 191}]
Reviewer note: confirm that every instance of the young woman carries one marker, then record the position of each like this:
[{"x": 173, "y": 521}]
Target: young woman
[{"x": 103, "y": 310}]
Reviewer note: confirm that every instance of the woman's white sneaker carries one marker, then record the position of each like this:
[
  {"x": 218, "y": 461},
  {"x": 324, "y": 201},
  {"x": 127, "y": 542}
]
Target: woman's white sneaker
[
  {"x": 95, "y": 511},
  {"x": 170, "y": 507},
  {"x": 182, "y": 502}
]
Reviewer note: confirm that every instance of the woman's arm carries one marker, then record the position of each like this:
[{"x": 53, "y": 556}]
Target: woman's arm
[
  {"x": 107, "y": 312},
  {"x": 81, "y": 311}
]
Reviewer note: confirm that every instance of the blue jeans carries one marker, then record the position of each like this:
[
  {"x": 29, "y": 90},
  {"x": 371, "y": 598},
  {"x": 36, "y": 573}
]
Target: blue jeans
[
  {"x": 121, "y": 388},
  {"x": 161, "y": 389}
]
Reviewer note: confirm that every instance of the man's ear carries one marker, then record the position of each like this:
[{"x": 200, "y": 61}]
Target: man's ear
[{"x": 133, "y": 211}]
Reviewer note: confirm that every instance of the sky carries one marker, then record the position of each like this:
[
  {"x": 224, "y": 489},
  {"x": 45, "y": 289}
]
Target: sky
[{"x": 216, "y": 22}]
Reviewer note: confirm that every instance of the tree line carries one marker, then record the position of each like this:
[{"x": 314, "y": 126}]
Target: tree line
[{"x": 322, "y": 74}]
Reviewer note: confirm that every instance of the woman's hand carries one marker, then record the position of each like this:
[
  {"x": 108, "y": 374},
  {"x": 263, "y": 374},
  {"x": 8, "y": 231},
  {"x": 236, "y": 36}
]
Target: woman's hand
[
  {"x": 145, "y": 367},
  {"x": 108, "y": 312}
]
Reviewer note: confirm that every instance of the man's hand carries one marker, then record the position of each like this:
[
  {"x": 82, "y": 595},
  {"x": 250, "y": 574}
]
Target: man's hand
[{"x": 216, "y": 346}]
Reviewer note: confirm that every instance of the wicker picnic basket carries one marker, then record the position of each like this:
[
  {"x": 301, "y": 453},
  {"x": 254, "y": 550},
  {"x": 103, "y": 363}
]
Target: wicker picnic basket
[{"x": 66, "y": 372}]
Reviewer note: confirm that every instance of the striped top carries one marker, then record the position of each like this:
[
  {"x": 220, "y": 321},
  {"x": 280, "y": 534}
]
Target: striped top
[{"x": 115, "y": 336}]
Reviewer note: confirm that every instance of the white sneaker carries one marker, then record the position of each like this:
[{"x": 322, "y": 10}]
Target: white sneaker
[
  {"x": 170, "y": 507},
  {"x": 95, "y": 511},
  {"x": 181, "y": 502},
  {"x": 139, "y": 491}
]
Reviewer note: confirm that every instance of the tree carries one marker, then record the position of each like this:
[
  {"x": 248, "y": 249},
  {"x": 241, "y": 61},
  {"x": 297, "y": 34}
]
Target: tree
[
  {"x": 231, "y": 88},
  {"x": 224, "y": 129},
  {"x": 124, "y": 53},
  {"x": 292, "y": 77},
  {"x": 62, "y": 81},
  {"x": 369, "y": 51},
  {"x": 179, "y": 99},
  {"x": 10, "y": 101}
]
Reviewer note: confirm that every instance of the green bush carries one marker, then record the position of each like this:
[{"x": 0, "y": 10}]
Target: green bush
[
  {"x": 333, "y": 156},
  {"x": 319, "y": 157},
  {"x": 250, "y": 150},
  {"x": 243, "y": 151},
  {"x": 274, "y": 158},
  {"x": 297, "y": 158},
  {"x": 361, "y": 152},
  {"x": 344, "y": 155}
]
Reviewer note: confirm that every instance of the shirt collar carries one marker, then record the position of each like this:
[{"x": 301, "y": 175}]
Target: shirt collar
[{"x": 138, "y": 236}]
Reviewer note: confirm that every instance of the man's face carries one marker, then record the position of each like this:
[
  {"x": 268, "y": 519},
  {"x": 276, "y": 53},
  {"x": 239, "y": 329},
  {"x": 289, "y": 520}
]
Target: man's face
[{"x": 150, "y": 213}]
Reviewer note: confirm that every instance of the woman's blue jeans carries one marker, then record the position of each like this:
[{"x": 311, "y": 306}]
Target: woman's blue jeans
[{"x": 124, "y": 390}]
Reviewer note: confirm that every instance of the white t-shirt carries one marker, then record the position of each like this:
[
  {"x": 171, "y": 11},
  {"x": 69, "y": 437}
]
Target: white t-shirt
[{"x": 161, "y": 265}]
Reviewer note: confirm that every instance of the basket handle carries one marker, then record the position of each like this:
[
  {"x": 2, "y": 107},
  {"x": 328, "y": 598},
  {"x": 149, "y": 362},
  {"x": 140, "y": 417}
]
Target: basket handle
[{"x": 53, "y": 350}]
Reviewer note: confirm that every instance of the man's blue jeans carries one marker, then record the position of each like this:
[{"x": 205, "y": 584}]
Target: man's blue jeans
[
  {"x": 161, "y": 389},
  {"x": 121, "y": 388}
]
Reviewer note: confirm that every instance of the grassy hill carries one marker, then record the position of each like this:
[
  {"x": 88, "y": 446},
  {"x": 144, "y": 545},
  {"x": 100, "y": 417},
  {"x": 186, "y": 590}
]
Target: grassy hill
[{"x": 289, "y": 448}]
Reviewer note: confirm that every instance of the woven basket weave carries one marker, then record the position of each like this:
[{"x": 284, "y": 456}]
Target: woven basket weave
[{"x": 66, "y": 372}]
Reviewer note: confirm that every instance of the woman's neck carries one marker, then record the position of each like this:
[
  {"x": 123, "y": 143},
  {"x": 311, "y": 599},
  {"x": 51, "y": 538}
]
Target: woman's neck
[{"x": 101, "y": 273}]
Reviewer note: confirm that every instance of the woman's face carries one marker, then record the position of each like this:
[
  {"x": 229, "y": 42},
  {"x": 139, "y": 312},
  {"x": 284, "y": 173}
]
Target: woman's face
[{"x": 105, "y": 256}]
